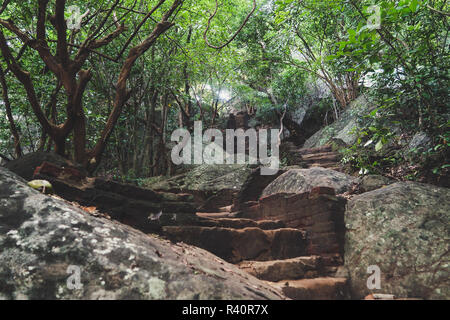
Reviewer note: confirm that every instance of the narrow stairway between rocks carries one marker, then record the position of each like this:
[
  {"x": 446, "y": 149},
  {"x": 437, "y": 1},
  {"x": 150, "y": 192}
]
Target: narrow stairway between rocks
[
  {"x": 270, "y": 251},
  {"x": 323, "y": 156},
  {"x": 294, "y": 242}
]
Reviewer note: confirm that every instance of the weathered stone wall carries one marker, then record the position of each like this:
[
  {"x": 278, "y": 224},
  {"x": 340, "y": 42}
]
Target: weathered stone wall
[
  {"x": 319, "y": 212},
  {"x": 40, "y": 237},
  {"x": 404, "y": 230},
  {"x": 126, "y": 203},
  {"x": 235, "y": 245}
]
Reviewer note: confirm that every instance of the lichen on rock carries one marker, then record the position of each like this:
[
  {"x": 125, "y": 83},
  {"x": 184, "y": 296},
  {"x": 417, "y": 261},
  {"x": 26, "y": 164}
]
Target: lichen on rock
[
  {"x": 404, "y": 229},
  {"x": 42, "y": 237}
]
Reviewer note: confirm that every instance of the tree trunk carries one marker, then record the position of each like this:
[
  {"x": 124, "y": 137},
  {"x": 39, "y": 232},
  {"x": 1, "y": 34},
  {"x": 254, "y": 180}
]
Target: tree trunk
[
  {"x": 12, "y": 125},
  {"x": 122, "y": 94}
]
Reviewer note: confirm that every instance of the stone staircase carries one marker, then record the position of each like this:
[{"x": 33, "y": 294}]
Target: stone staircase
[
  {"x": 323, "y": 156},
  {"x": 294, "y": 242},
  {"x": 300, "y": 278},
  {"x": 270, "y": 251},
  {"x": 324, "y": 288}
]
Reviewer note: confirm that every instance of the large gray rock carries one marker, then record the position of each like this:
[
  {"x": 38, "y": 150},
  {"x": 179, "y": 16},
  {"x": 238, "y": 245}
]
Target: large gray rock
[
  {"x": 374, "y": 181},
  {"x": 40, "y": 237},
  {"x": 235, "y": 245},
  {"x": 207, "y": 177},
  {"x": 303, "y": 180},
  {"x": 404, "y": 230},
  {"x": 213, "y": 186},
  {"x": 415, "y": 150},
  {"x": 420, "y": 142},
  {"x": 26, "y": 165},
  {"x": 343, "y": 128}
]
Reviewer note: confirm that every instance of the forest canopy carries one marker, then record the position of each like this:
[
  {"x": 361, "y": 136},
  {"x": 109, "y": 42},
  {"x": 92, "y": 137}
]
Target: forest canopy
[{"x": 105, "y": 82}]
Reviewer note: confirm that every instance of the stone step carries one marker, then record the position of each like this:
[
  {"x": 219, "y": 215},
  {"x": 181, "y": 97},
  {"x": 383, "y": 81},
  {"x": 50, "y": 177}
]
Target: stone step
[
  {"x": 331, "y": 259},
  {"x": 387, "y": 296},
  {"x": 324, "y": 288},
  {"x": 336, "y": 168},
  {"x": 235, "y": 245},
  {"x": 326, "y": 165},
  {"x": 213, "y": 215},
  {"x": 277, "y": 270},
  {"x": 240, "y": 223},
  {"x": 226, "y": 209},
  {"x": 308, "y": 154},
  {"x": 304, "y": 151},
  {"x": 125, "y": 203},
  {"x": 321, "y": 157},
  {"x": 219, "y": 202}
]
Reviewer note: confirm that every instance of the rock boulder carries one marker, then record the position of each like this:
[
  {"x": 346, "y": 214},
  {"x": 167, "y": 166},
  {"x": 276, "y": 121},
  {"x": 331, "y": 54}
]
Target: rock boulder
[
  {"x": 213, "y": 186},
  {"x": 344, "y": 128},
  {"x": 304, "y": 180},
  {"x": 404, "y": 230},
  {"x": 26, "y": 165},
  {"x": 44, "y": 241},
  {"x": 373, "y": 181}
]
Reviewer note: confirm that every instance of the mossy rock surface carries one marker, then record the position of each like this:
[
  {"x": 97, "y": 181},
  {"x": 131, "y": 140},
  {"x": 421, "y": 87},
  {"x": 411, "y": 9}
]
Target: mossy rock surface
[
  {"x": 403, "y": 229},
  {"x": 207, "y": 178},
  {"x": 43, "y": 241},
  {"x": 353, "y": 117},
  {"x": 213, "y": 186},
  {"x": 304, "y": 180},
  {"x": 26, "y": 165}
]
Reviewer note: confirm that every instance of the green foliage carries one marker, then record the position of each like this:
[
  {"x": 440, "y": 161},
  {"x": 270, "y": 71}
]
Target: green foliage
[
  {"x": 409, "y": 60},
  {"x": 370, "y": 153},
  {"x": 285, "y": 50}
]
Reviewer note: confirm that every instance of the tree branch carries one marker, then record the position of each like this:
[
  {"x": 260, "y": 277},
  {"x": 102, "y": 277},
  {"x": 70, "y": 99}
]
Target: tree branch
[
  {"x": 41, "y": 44},
  {"x": 139, "y": 27},
  {"x": 25, "y": 79},
  {"x": 438, "y": 11},
  {"x": 12, "y": 125},
  {"x": 122, "y": 94},
  {"x": 61, "y": 30},
  {"x": 205, "y": 34},
  {"x": 4, "y": 5}
]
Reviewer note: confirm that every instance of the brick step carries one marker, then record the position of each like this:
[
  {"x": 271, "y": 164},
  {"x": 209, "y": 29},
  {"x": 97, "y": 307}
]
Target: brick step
[
  {"x": 225, "y": 209},
  {"x": 213, "y": 215},
  {"x": 318, "y": 153},
  {"x": 323, "y": 288},
  {"x": 304, "y": 151},
  {"x": 277, "y": 270},
  {"x": 327, "y": 165},
  {"x": 337, "y": 168},
  {"x": 239, "y": 223},
  {"x": 321, "y": 157},
  {"x": 236, "y": 245}
]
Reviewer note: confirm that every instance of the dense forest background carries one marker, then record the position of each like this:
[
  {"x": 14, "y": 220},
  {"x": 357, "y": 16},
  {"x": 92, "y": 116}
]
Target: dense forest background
[{"x": 108, "y": 95}]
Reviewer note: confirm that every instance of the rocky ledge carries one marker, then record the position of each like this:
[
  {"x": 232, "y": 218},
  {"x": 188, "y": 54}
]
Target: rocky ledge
[{"x": 45, "y": 241}]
